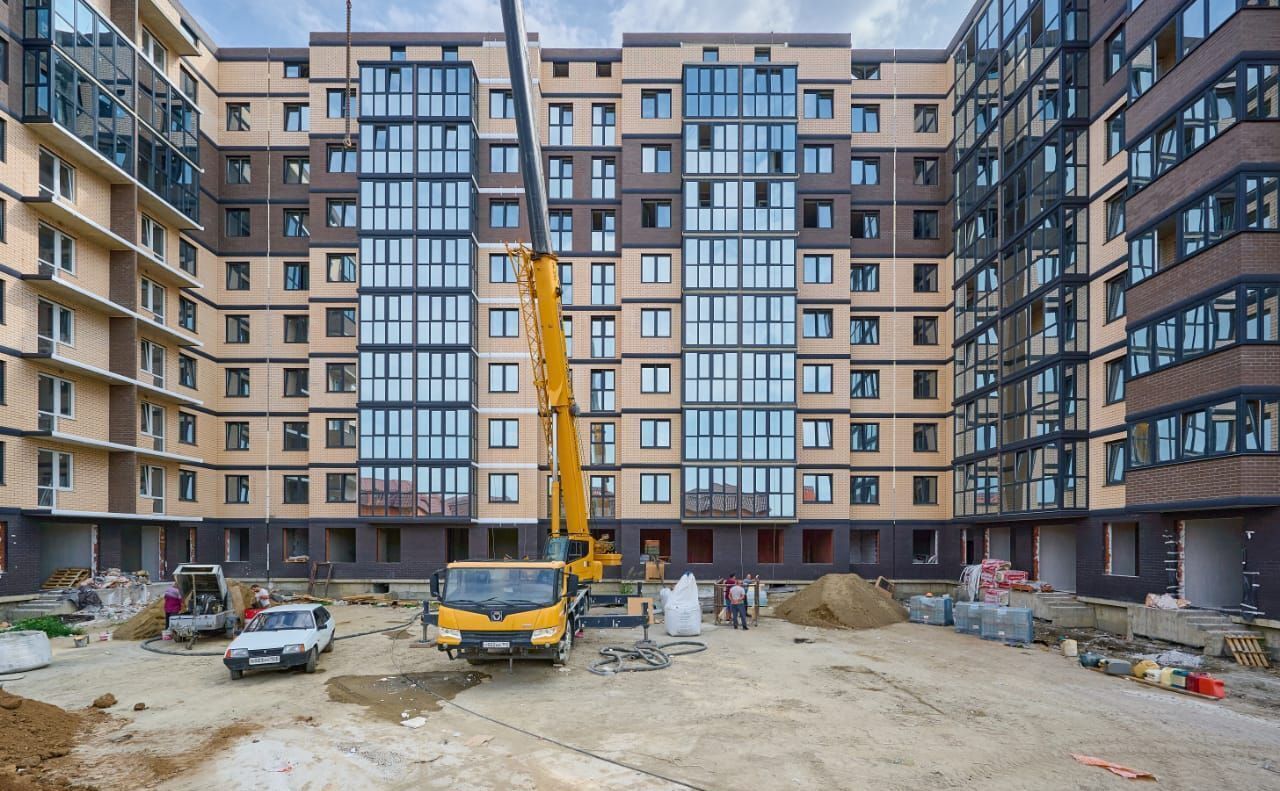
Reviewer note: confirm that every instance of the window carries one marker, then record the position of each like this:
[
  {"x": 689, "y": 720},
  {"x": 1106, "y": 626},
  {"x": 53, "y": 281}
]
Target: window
[
  {"x": 926, "y": 118},
  {"x": 340, "y": 432},
  {"x": 237, "y": 383},
  {"x": 297, "y": 117},
  {"x": 297, "y": 382},
  {"x": 560, "y": 68},
  {"x": 864, "y": 171},
  {"x": 818, "y": 214},
  {"x": 864, "y": 384},
  {"x": 238, "y": 117},
  {"x": 924, "y": 279},
  {"x": 504, "y": 323},
  {"x": 817, "y": 269},
  {"x": 1116, "y": 457},
  {"x": 819, "y": 104},
  {"x": 655, "y": 323},
  {"x": 924, "y": 437},
  {"x": 864, "y": 330},
  {"x": 297, "y": 276},
  {"x": 655, "y": 104},
  {"x": 238, "y": 276},
  {"x": 1115, "y": 215},
  {"x": 604, "y": 69},
  {"x": 504, "y": 487},
  {"x": 864, "y": 489},
  {"x": 864, "y": 437},
  {"x": 865, "y": 71},
  {"x": 501, "y": 104},
  {"x": 186, "y": 428},
  {"x": 297, "y": 328},
  {"x": 817, "y": 433},
  {"x": 1115, "y": 52},
  {"x": 866, "y": 118},
  {"x": 237, "y": 489},
  {"x": 817, "y": 323},
  {"x": 4, "y": 141},
  {"x": 604, "y": 172},
  {"x": 55, "y": 322},
  {"x": 710, "y": 54},
  {"x": 237, "y": 329},
  {"x": 924, "y": 547},
  {"x": 56, "y": 398},
  {"x": 297, "y": 435},
  {"x": 602, "y": 390},
  {"x": 1121, "y": 549},
  {"x": 504, "y": 378},
  {"x": 504, "y": 158},
  {"x": 655, "y": 488},
  {"x": 924, "y": 224},
  {"x": 237, "y": 435},
  {"x": 603, "y": 124},
  {"x": 187, "y": 371},
  {"x": 334, "y": 105},
  {"x": 816, "y": 488},
  {"x": 655, "y": 379},
  {"x": 238, "y": 170},
  {"x": 655, "y": 214},
  {"x": 603, "y": 336},
  {"x": 296, "y": 222},
  {"x": 561, "y": 124},
  {"x": 926, "y": 170},
  {"x": 1115, "y": 291},
  {"x": 340, "y": 487},
  {"x": 504, "y": 433},
  {"x": 603, "y": 443},
  {"x": 818, "y": 158},
  {"x": 1115, "y": 370},
  {"x": 187, "y": 486},
  {"x": 603, "y": 230},
  {"x": 300, "y": 69},
  {"x": 864, "y": 277},
  {"x": 151, "y": 486},
  {"x": 655, "y": 433},
  {"x": 603, "y": 284},
  {"x": 152, "y": 236},
  {"x": 297, "y": 170},
  {"x": 924, "y": 384},
  {"x": 504, "y": 214},
  {"x": 655, "y": 159},
  {"x": 340, "y": 377},
  {"x": 340, "y": 213},
  {"x": 1115, "y": 134},
  {"x": 340, "y": 159},
  {"x": 866, "y": 224},
  {"x": 924, "y": 331},
  {"x": 817, "y": 378},
  {"x": 655, "y": 269},
  {"x": 340, "y": 322}
]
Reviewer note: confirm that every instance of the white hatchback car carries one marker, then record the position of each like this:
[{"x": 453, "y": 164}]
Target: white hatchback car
[{"x": 291, "y": 635}]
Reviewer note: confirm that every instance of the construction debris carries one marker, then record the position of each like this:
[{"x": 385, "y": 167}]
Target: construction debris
[
  {"x": 1123, "y": 771},
  {"x": 64, "y": 579},
  {"x": 104, "y": 701},
  {"x": 841, "y": 601}
]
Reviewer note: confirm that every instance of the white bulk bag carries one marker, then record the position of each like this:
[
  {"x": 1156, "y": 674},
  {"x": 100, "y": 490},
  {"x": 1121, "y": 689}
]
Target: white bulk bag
[
  {"x": 21, "y": 651},
  {"x": 682, "y": 613}
]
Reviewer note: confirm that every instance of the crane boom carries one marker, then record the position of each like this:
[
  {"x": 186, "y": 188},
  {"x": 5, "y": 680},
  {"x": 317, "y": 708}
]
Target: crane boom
[{"x": 538, "y": 279}]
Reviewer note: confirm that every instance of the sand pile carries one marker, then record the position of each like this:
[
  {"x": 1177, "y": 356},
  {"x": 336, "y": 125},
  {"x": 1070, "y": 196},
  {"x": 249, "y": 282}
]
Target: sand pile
[
  {"x": 149, "y": 622},
  {"x": 841, "y": 601},
  {"x": 33, "y": 731}
]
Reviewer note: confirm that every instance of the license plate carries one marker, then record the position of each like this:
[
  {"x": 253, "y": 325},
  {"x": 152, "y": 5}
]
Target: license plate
[
  {"x": 264, "y": 660},
  {"x": 496, "y": 644}
]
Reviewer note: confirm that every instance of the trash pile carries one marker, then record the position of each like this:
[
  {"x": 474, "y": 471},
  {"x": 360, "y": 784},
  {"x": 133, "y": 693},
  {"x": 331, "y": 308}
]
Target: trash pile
[
  {"x": 1163, "y": 601},
  {"x": 841, "y": 601},
  {"x": 114, "y": 595},
  {"x": 1151, "y": 673},
  {"x": 991, "y": 580}
]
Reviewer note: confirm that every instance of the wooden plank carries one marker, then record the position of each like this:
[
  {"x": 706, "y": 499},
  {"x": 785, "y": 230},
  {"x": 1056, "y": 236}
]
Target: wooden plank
[
  {"x": 1146, "y": 683},
  {"x": 1248, "y": 651},
  {"x": 64, "y": 578}
]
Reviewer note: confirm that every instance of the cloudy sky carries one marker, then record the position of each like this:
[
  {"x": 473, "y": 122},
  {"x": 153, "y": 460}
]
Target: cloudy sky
[{"x": 588, "y": 23}]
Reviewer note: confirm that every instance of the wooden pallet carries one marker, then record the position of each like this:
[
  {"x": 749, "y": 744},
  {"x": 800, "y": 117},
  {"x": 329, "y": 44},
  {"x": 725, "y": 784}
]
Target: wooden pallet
[
  {"x": 317, "y": 568},
  {"x": 61, "y": 579},
  {"x": 1248, "y": 650}
]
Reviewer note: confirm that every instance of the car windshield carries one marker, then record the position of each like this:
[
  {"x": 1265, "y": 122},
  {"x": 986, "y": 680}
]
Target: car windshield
[
  {"x": 497, "y": 585},
  {"x": 269, "y": 621}
]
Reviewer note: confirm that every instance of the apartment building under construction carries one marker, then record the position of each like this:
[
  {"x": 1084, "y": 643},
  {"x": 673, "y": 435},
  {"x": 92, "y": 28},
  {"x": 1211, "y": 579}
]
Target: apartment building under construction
[{"x": 830, "y": 309}]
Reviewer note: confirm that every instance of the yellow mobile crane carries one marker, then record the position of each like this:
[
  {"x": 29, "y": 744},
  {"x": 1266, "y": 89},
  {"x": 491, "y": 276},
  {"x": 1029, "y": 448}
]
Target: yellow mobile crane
[{"x": 492, "y": 609}]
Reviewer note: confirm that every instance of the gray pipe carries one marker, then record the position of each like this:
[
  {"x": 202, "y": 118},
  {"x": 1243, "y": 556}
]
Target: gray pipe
[{"x": 530, "y": 146}]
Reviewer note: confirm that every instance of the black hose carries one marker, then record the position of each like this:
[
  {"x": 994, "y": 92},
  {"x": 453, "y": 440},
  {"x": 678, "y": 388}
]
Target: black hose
[
  {"x": 645, "y": 655},
  {"x": 146, "y": 645}
]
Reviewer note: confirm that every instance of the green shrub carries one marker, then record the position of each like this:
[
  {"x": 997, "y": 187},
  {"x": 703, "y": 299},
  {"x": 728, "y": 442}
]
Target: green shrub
[{"x": 48, "y": 624}]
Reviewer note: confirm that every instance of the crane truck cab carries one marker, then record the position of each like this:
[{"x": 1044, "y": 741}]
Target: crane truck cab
[{"x": 508, "y": 609}]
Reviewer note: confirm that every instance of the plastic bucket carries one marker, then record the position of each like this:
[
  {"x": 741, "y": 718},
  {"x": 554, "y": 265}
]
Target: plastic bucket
[
  {"x": 167, "y": 634},
  {"x": 1069, "y": 648}
]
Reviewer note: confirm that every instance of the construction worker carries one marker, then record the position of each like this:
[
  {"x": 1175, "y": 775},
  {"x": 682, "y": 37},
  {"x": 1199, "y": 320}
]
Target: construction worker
[
  {"x": 738, "y": 605},
  {"x": 172, "y": 603}
]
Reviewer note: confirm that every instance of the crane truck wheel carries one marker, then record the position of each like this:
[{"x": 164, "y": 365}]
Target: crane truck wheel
[{"x": 563, "y": 648}]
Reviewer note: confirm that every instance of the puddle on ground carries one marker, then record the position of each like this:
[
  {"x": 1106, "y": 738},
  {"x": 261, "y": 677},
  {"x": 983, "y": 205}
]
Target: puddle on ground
[{"x": 397, "y": 697}]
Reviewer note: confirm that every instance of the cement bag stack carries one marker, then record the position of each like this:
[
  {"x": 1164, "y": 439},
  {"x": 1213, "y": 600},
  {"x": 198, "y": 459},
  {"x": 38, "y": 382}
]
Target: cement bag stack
[
  {"x": 22, "y": 651},
  {"x": 681, "y": 611}
]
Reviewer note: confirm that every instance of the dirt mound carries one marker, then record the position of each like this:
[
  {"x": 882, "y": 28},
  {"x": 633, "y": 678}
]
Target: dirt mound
[
  {"x": 841, "y": 601},
  {"x": 34, "y": 731},
  {"x": 149, "y": 622}
]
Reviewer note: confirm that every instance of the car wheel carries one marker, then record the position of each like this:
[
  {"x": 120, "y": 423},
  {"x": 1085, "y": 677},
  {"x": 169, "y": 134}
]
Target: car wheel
[
  {"x": 312, "y": 658},
  {"x": 332, "y": 639},
  {"x": 564, "y": 647},
  {"x": 236, "y": 675}
]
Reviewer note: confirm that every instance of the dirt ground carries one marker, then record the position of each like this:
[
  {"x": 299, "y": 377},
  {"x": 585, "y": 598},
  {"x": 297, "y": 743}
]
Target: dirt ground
[{"x": 782, "y": 706}]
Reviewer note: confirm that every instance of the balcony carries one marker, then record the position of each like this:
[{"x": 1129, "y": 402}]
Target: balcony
[
  {"x": 47, "y": 353},
  {"x": 146, "y": 322},
  {"x": 164, "y": 211},
  {"x": 162, "y": 271},
  {"x": 56, "y": 283},
  {"x": 75, "y": 150},
  {"x": 167, "y": 29},
  {"x": 49, "y": 428},
  {"x": 66, "y": 216}
]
